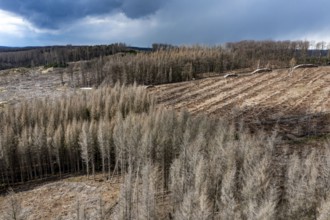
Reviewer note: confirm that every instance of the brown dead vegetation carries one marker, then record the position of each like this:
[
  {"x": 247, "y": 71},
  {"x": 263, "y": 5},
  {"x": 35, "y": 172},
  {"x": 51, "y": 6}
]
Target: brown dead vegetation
[
  {"x": 251, "y": 147},
  {"x": 276, "y": 98},
  {"x": 177, "y": 165}
]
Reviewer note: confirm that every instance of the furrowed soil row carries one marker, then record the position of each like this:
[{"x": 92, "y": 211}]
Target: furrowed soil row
[
  {"x": 210, "y": 91},
  {"x": 233, "y": 89},
  {"x": 254, "y": 102},
  {"x": 237, "y": 95},
  {"x": 277, "y": 109},
  {"x": 172, "y": 88},
  {"x": 307, "y": 102},
  {"x": 184, "y": 98},
  {"x": 269, "y": 94},
  {"x": 276, "y": 106},
  {"x": 259, "y": 97},
  {"x": 323, "y": 103},
  {"x": 168, "y": 95},
  {"x": 198, "y": 95},
  {"x": 228, "y": 107},
  {"x": 286, "y": 104},
  {"x": 282, "y": 87},
  {"x": 296, "y": 101},
  {"x": 176, "y": 92}
]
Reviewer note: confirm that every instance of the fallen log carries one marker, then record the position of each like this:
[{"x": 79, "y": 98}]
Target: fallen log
[
  {"x": 262, "y": 70},
  {"x": 150, "y": 86},
  {"x": 230, "y": 75},
  {"x": 305, "y": 66}
]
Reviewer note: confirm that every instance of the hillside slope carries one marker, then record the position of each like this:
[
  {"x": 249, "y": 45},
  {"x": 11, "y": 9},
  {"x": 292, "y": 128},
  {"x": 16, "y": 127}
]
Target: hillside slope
[
  {"x": 71, "y": 198},
  {"x": 298, "y": 101}
]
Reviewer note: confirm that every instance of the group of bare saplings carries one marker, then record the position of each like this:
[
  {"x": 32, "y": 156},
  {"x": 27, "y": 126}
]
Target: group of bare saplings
[{"x": 174, "y": 165}]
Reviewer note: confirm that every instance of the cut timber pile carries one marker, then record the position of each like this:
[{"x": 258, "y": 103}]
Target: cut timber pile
[{"x": 262, "y": 70}]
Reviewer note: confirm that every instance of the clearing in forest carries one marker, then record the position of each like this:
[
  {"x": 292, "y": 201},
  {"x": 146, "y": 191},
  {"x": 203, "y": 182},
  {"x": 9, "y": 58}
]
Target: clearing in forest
[{"x": 298, "y": 101}]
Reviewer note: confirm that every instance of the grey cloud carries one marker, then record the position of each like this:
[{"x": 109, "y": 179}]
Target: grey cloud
[
  {"x": 140, "y": 8},
  {"x": 219, "y": 21},
  {"x": 177, "y": 21},
  {"x": 53, "y": 13}
]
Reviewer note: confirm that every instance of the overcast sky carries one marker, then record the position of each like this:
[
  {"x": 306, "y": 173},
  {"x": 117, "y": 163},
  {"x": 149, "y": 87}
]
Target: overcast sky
[{"x": 143, "y": 22}]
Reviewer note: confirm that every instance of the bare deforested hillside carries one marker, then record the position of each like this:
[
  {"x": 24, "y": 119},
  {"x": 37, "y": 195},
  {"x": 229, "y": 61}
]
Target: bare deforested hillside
[{"x": 297, "y": 100}]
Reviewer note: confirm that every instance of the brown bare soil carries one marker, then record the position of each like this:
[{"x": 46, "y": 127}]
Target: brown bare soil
[
  {"x": 296, "y": 102},
  {"x": 26, "y": 83},
  {"x": 66, "y": 198}
]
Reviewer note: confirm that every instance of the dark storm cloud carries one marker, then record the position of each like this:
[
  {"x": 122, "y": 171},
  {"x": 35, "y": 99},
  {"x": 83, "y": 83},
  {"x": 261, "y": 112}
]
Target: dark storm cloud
[
  {"x": 143, "y": 22},
  {"x": 218, "y": 21},
  {"x": 140, "y": 8},
  {"x": 53, "y": 13}
]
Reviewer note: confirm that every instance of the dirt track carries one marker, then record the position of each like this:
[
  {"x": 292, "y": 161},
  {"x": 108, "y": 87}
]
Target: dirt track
[{"x": 298, "y": 101}]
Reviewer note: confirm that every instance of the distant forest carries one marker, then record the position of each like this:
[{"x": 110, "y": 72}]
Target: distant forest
[
  {"x": 167, "y": 64},
  {"x": 163, "y": 63},
  {"x": 57, "y": 56}
]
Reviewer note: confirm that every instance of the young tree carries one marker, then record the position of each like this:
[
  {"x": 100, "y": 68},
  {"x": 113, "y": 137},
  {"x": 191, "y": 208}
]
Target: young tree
[
  {"x": 14, "y": 209},
  {"x": 104, "y": 140},
  {"x": 58, "y": 145},
  {"x": 85, "y": 142}
]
